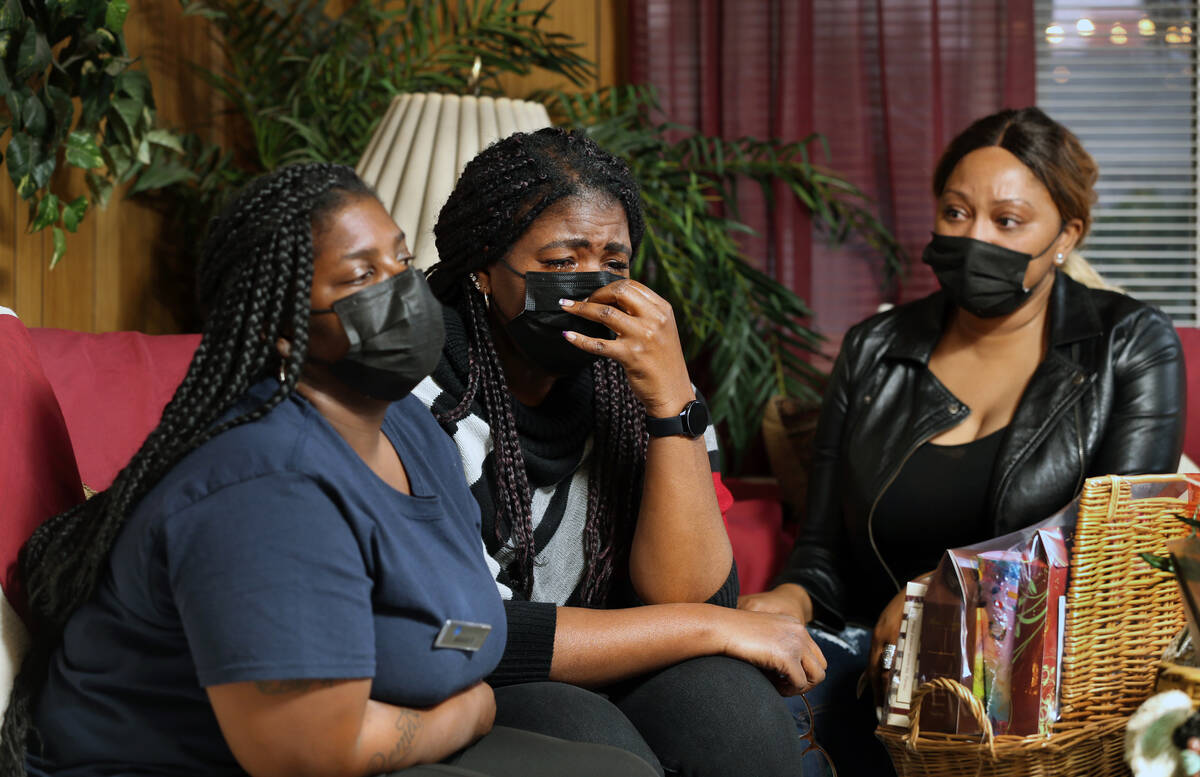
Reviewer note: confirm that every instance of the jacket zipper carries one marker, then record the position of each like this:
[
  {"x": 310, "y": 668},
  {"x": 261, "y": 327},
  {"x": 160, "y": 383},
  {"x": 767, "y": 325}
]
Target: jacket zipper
[{"x": 886, "y": 486}]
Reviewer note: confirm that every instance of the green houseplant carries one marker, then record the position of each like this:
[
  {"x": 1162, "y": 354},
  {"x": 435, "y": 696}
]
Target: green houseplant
[
  {"x": 749, "y": 329},
  {"x": 53, "y": 55},
  {"x": 311, "y": 85}
]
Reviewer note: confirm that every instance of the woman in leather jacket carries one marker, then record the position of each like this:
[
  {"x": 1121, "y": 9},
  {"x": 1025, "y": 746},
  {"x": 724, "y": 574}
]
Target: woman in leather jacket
[{"x": 981, "y": 408}]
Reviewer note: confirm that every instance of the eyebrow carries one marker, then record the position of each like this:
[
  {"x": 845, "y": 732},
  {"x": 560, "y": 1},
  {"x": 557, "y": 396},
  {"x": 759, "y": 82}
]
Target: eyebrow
[
  {"x": 365, "y": 252},
  {"x": 580, "y": 242},
  {"x": 1016, "y": 200}
]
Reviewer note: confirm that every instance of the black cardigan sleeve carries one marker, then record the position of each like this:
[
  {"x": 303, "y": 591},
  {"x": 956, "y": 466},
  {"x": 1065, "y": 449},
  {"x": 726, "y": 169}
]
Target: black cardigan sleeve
[{"x": 530, "y": 646}]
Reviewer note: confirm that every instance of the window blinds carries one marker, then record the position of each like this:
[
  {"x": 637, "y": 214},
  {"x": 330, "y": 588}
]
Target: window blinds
[{"x": 1122, "y": 77}]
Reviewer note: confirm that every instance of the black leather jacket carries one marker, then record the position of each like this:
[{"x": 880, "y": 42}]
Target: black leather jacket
[{"x": 1108, "y": 398}]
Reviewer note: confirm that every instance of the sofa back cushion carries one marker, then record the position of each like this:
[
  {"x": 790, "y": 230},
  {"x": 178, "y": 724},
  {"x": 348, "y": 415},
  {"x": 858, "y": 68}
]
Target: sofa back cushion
[
  {"x": 1189, "y": 337},
  {"x": 38, "y": 474},
  {"x": 112, "y": 388}
]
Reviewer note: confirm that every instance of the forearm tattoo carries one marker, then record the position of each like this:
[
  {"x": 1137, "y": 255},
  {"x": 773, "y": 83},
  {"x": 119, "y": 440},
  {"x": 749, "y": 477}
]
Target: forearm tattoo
[{"x": 408, "y": 725}]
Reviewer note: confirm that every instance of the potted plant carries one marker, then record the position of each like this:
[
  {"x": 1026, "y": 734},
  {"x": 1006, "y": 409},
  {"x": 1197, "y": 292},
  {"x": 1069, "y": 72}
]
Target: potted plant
[
  {"x": 311, "y": 85},
  {"x": 747, "y": 327}
]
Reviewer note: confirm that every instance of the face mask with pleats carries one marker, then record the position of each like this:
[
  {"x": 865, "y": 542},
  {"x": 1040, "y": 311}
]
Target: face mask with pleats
[
  {"x": 538, "y": 329},
  {"x": 396, "y": 336},
  {"x": 983, "y": 279}
]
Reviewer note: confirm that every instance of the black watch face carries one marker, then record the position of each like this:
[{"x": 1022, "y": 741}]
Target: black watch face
[{"x": 695, "y": 419}]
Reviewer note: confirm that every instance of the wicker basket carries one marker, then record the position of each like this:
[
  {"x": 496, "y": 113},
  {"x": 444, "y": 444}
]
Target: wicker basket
[
  {"x": 1095, "y": 749},
  {"x": 1177, "y": 677},
  {"x": 1119, "y": 618}
]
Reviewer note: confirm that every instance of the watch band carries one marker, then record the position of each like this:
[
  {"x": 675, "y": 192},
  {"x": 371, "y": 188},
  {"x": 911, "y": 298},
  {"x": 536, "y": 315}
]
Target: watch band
[{"x": 691, "y": 422}]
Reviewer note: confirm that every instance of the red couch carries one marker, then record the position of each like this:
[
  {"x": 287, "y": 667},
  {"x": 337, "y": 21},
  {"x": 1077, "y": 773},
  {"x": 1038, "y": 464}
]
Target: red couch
[{"x": 77, "y": 406}]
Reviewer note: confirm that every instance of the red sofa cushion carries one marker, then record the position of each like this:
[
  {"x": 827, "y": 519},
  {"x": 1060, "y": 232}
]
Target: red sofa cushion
[
  {"x": 755, "y": 524},
  {"x": 1190, "y": 338},
  {"x": 112, "y": 388},
  {"x": 38, "y": 474}
]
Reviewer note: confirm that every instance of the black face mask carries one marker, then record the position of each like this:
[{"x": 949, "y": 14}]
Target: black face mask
[
  {"x": 396, "y": 336},
  {"x": 538, "y": 330},
  {"x": 983, "y": 279}
]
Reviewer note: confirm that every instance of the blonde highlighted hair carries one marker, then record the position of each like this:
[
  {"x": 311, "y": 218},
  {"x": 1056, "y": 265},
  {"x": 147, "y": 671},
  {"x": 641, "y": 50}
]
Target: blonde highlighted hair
[{"x": 1081, "y": 270}]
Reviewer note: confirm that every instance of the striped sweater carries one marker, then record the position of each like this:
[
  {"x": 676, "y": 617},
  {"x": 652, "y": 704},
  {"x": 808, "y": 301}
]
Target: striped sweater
[{"x": 556, "y": 443}]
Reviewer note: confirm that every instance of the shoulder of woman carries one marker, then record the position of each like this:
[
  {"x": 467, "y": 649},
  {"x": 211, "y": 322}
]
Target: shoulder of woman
[
  {"x": 1122, "y": 314},
  {"x": 1139, "y": 335},
  {"x": 273, "y": 444},
  {"x": 917, "y": 322}
]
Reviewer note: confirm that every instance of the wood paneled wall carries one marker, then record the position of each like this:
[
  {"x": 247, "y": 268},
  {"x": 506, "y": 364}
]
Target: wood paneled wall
[
  {"x": 114, "y": 275},
  {"x": 600, "y": 25},
  {"x": 109, "y": 279}
]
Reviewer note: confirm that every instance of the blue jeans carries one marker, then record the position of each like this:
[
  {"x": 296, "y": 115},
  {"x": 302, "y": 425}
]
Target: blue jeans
[{"x": 844, "y": 724}]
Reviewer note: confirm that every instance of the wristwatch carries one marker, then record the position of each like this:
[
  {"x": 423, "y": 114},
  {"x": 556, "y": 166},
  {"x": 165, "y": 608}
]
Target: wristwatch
[{"x": 691, "y": 422}]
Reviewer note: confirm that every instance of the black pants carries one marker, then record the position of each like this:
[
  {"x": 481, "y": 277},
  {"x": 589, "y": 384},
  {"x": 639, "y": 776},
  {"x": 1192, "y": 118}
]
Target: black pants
[
  {"x": 506, "y": 752},
  {"x": 707, "y": 717}
]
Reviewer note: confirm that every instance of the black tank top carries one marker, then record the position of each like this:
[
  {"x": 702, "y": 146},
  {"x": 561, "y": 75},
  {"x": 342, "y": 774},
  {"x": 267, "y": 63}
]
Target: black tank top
[{"x": 937, "y": 501}]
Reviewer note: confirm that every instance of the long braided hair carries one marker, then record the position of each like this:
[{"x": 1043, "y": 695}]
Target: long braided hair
[
  {"x": 500, "y": 194},
  {"x": 254, "y": 282}
]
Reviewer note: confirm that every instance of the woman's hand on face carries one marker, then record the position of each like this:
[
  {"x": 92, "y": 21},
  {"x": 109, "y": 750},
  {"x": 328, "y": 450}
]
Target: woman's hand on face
[
  {"x": 780, "y": 645},
  {"x": 887, "y": 631},
  {"x": 647, "y": 343},
  {"x": 785, "y": 599}
]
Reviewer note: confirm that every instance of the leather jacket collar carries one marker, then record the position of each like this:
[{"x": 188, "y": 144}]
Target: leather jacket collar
[{"x": 1073, "y": 317}]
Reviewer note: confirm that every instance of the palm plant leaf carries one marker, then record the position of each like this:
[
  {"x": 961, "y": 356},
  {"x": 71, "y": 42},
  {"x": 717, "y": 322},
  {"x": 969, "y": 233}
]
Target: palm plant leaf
[
  {"x": 312, "y": 85},
  {"x": 746, "y": 327}
]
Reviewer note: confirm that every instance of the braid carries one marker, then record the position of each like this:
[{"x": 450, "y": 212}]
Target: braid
[
  {"x": 514, "y": 498},
  {"x": 254, "y": 282},
  {"x": 500, "y": 194},
  {"x": 474, "y": 313},
  {"x": 615, "y": 487}
]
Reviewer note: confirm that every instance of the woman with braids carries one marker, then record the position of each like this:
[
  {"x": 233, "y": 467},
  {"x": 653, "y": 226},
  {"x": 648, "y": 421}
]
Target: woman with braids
[
  {"x": 564, "y": 386},
  {"x": 263, "y": 588}
]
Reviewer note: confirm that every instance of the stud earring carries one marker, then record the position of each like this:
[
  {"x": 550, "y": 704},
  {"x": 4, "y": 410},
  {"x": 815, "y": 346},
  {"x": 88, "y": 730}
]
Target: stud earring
[{"x": 1058, "y": 258}]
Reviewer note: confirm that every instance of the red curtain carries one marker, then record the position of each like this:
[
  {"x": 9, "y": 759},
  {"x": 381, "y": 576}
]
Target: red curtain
[{"x": 887, "y": 85}]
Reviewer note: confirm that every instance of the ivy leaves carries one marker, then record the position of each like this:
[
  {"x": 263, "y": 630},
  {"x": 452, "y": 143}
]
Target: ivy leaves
[{"x": 71, "y": 98}]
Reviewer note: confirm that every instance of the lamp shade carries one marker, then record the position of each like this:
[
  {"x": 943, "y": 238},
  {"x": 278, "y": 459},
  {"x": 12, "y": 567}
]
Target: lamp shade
[{"x": 421, "y": 147}]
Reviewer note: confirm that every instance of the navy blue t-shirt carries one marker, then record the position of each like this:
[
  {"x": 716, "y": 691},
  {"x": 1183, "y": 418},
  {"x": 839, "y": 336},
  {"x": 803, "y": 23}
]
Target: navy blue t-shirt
[{"x": 271, "y": 552}]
